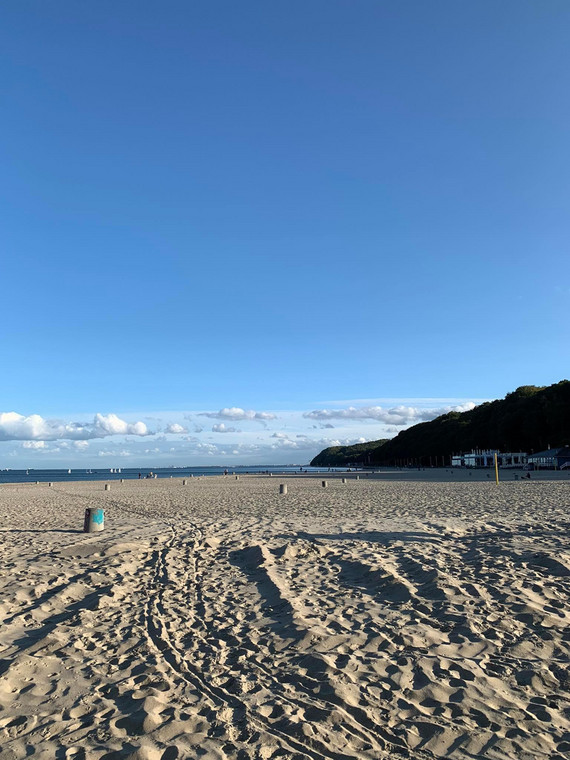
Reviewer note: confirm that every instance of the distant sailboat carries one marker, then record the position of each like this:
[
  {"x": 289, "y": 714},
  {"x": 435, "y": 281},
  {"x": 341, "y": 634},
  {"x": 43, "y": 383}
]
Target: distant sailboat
[{"x": 69, "y": 472}]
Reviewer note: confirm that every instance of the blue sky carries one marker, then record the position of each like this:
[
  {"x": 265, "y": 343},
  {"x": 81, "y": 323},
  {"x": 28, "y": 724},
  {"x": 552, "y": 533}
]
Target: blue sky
[{"x": 275, "y": 207}]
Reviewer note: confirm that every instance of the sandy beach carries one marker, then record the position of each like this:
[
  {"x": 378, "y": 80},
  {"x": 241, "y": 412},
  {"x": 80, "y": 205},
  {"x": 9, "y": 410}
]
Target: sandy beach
[{"x": 411, "y": 616}]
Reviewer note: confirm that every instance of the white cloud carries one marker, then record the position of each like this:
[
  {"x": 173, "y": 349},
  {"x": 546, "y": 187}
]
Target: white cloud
[
  {"x": 303, "y": 443},
  {"x": 61, "y": 442},
  {"x": 398, "y": 415},
  {"x": 221, "y": 428},
  {"x": 17, "y": 427},
  {"x": 466, "y": 407},
  {"x": 286, "y": 443},
  {"x": 235, "y": 414},
  {"x": 34, "y": 445},
  {"x": 209, "y": 448},
  {"x": 113, "y": 425},
  {"x": 175, "y": 428},
  {"x": 326, "y": 442}
]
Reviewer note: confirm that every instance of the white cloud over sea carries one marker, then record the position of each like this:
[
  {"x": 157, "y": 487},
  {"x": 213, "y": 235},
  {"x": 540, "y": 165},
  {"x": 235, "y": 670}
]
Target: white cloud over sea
[
  {"x": 34, "y": 445},
  {"x": 17, "y": 427},
  {"x": 396, "y": 415},
  {"x": 180, "y": 438},
  {"x": 222, "y": 428},
  {"x": 175, "y": 429},
  {"x": 235, "y": 414}
]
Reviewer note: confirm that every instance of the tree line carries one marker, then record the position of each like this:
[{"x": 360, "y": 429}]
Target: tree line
[{"x": 529, "y": 419}]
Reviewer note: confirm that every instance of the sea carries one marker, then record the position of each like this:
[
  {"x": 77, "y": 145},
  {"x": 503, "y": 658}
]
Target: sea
[{"x": 134, "y": 473}]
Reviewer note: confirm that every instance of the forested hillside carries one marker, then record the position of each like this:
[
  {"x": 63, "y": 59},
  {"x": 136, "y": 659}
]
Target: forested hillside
[
  {"x": 529, "y": 419},
  {"x": 338, "y": 456}
]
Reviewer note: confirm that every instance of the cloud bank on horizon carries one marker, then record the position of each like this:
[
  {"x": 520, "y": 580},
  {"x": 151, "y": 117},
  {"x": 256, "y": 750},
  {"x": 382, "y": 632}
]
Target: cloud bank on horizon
[{"x": 295, "y": 432}]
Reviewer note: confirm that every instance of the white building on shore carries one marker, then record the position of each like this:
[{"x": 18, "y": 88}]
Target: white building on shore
[
  {"x": 551, "y": 459},
  {"x": 486, "y": 458}
]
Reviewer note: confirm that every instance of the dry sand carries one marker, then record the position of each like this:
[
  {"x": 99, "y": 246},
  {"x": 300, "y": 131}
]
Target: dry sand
[{"x": 222, "y": 620}]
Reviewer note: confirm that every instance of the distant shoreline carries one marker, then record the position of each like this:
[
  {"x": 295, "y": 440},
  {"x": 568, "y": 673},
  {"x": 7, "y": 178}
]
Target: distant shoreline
[{"x": 424, "y": 475}]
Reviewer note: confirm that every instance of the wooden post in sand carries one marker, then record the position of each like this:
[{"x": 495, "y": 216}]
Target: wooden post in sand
[
  {"x": 94, "y": 520},
  {"x": 357, "y": 477},
  {"x": 184, "y": 482},
  {"x": 283, "y": 488},
  {"x": 107, "y": 487},
  {"x": 324, "y": 483},
  {"x": 344, "y": 480},
  {"x": 49, "y": 485},
  {"x": 237, "y": 477},
  {"x": 496, "y": 469},
  {"x": 122, "y": 480}
]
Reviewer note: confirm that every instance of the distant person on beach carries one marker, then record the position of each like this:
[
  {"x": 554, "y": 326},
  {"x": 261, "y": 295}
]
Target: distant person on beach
[{"x": 139, "y": 476}]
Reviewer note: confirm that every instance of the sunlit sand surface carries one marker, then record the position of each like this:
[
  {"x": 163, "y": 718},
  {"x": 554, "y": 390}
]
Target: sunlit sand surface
[{"x": 379, "y": 618}]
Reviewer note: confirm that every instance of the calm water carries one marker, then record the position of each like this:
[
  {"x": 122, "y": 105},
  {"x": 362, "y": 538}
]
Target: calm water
[{"x": 31, "y": 476}]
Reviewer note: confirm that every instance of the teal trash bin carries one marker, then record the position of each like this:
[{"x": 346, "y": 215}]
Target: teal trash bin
[{"x": 94, "y": 520}]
